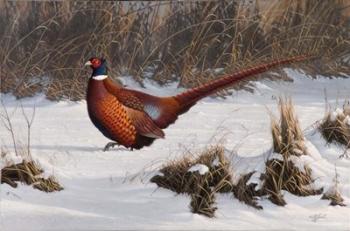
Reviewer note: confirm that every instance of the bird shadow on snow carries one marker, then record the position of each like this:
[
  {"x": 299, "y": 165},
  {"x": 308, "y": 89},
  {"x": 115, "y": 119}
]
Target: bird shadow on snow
[
  {"x": 67, "y": 148},
  {"x": 76, "y": 148}
]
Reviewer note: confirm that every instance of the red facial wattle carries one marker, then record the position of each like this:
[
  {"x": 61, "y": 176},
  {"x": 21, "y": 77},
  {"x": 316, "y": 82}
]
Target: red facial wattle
[{"x": 95, "y": 63}]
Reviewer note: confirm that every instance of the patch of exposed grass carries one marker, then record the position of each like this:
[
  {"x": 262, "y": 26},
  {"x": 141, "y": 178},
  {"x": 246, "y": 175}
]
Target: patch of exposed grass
[
  {"x": 176, "y": 176},
  {"x": 335, "y": 126},
  {"x": 281, "y": 172},
  {"x": 335, "y": 197},
  {"x": 28, "y": 172},
  {"x": 246, "y": 193},
  {"x": 333, "y": 193},
  {"x": 287, "y": 136},
  {"x": 284, "y": 175},
  {"x": 202, "y": 196}
]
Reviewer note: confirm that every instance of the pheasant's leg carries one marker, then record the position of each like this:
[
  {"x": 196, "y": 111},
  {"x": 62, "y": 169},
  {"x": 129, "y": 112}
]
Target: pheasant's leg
[{"x": 110, "y": 145}]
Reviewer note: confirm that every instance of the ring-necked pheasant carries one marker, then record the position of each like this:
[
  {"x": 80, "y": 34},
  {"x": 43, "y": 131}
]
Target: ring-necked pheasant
[{"x": 135, "y": 119}]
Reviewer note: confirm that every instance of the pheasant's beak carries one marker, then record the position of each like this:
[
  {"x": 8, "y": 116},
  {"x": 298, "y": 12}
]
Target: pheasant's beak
[{"x": 88, "y": 63}]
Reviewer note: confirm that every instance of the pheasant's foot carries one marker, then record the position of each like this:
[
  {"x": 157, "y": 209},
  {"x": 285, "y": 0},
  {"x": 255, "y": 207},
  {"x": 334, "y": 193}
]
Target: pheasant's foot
[{"x": 110, "y": 145}]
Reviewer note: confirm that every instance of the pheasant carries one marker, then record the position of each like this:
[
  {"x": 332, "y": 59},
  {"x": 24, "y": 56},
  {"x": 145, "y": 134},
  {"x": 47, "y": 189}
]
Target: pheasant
[{"x": 135, "y": 119}]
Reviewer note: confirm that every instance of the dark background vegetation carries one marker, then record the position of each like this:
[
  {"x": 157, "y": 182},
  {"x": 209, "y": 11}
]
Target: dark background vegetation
[{"x": 45, "y": 44}]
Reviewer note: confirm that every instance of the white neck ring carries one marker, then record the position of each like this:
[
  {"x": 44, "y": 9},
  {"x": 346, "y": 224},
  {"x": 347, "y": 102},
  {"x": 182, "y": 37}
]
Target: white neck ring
[{"x": 99, "y": 77}]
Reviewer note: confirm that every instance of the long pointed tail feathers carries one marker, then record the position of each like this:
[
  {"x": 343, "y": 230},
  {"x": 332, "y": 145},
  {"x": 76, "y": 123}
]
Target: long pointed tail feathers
[{"x": 191, "y": 96}]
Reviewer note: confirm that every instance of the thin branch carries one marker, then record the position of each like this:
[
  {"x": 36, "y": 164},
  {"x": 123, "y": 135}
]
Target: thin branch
[
  {"x": 29, "y": 122},
  {"x": 6, "y": 121}
]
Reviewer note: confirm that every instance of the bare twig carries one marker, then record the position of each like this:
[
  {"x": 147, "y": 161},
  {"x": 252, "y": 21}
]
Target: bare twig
[
  {"x": 29, "y": 122},
  {"x": 6, "y": 121}
]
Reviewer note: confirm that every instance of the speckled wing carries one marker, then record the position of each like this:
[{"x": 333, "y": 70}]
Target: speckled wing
[
  {"x": 128, "y": 99},
  {"x": 163, "y": 111},
  {"x": 144, "y": 124}
]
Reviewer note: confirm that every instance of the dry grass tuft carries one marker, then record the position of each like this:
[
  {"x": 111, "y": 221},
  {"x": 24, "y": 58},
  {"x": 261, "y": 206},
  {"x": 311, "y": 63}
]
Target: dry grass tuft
[
  {"x": 246, "y": 193},
  {"x": 281, "y": 173},
  {"x": 335, "y": 197},
  {"x": 202, "y": 188},
  {"x": 287, "y": 136},
  {"x": 28, "y": 172},
  {"x": 176, "y": 176},
  {"x": 203, "y": 196},
  {"x": 335, "y": 127},
  {"x": 333, "y": 193},
  {"x": 284, "y": 175}
]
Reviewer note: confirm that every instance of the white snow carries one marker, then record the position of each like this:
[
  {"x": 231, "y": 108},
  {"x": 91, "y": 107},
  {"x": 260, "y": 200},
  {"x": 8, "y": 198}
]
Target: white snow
[
  {"x": 337, "y": 113},
  {"x": 334, "y": 116},
  {"x": 347, "y": 120},
  {"x": 200, "y": 168},
  {"x": 111, "y": 190},
  {"x": 10, "y": 158},
  {"x": 216, "y": 162}
]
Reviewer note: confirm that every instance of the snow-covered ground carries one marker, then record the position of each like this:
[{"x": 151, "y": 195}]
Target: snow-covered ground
[{"x": 110, "y": 190}]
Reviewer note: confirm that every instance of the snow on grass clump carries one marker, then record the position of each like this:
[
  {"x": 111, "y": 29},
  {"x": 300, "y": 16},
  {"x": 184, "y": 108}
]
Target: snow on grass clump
[
  {"x": 204, "y": 176},
  {"x": 335, "y": 126},
  {"x": 197, "y": 177},
  {"x": 284, "y": 169},
  {"x": 200, "y": 168},
  {"x": 8, "y": 158},
  {"x": 333, "y": 193},
  {"x": 30, "y": 173}
]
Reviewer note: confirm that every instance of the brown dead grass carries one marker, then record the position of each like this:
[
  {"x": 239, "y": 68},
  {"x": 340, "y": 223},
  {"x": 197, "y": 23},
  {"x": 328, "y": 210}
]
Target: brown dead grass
[
  {"x": 333, "y": 193},
  {"x": 28, "y": 172},
  {"x": 202, "y": 188},
  {"x": 45, "y": 43},
  {"x": 282, "y": 174},
  {"x": 287, "y": 136},
  {"x": 335, "y": 198},
  {"x": 178, "y": 179},
  {"x": 335, "y": 127},
  {"x": 202, "y": 196},
  {"x": 246, "y": 193}
]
